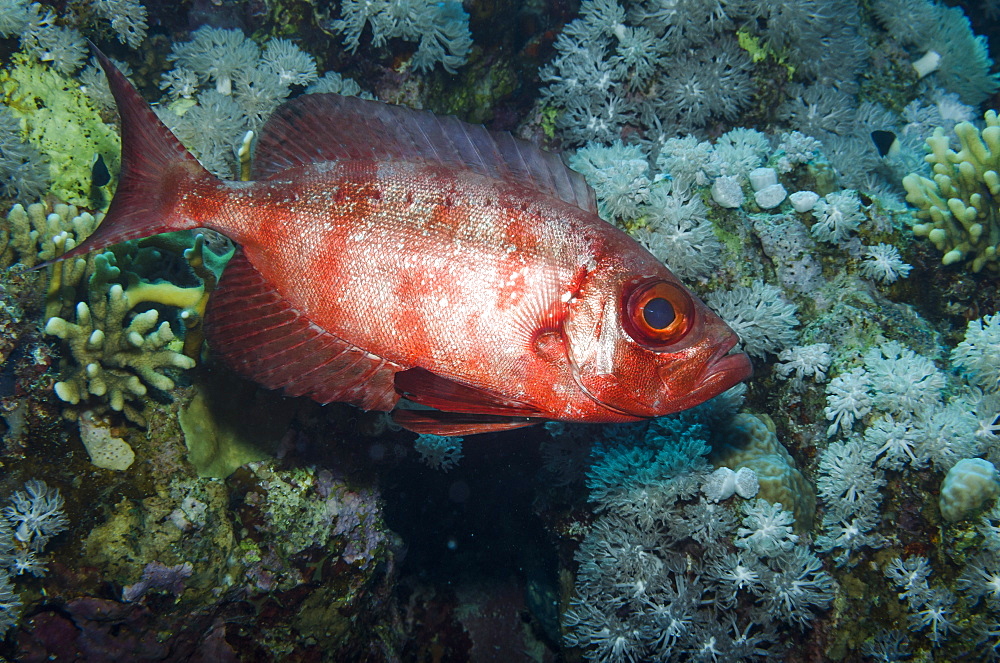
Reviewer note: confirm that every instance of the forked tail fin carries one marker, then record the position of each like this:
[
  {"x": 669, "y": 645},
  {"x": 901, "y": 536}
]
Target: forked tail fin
[{"x": 157, "y": 174}]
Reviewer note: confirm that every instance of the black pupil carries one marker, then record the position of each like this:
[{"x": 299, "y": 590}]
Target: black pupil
[{"x": 658, "y": 313}]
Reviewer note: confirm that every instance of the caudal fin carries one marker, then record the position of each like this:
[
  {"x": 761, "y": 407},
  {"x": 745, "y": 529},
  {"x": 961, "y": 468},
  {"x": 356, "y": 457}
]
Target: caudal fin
[{"x": 157, "y": 172}]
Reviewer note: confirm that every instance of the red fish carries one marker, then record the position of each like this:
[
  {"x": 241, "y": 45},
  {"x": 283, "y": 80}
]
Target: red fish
[{"x": 387, "y": 253}]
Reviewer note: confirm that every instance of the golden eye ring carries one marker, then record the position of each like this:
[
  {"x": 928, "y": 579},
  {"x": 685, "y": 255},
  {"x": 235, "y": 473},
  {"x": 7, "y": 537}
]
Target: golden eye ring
[{"x": 658, "y": 313}]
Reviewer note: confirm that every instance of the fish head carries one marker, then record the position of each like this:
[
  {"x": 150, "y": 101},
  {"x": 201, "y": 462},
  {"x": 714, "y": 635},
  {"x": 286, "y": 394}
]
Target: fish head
[{"x": 643, "y": 345}]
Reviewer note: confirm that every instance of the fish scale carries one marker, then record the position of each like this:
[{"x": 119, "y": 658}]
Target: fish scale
[{"x": 387, "y": 253}]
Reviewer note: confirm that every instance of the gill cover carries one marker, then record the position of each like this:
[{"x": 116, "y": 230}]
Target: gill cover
[{"x": 646, "y": 347}]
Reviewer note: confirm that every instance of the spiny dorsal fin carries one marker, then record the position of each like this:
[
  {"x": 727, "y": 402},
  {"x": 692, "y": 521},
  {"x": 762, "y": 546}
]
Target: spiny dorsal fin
[{"x": 330, "y": 127}]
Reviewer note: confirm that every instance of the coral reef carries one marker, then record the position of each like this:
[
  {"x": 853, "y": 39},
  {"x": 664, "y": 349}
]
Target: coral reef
[
  {"x": 969, "y": 486},
  {"x": 841, "y": 506},
  {"x": 34, "y": 516}
]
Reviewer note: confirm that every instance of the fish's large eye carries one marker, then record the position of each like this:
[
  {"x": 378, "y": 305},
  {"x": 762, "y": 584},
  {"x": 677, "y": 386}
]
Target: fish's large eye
[{"x": 658, "y": 313}]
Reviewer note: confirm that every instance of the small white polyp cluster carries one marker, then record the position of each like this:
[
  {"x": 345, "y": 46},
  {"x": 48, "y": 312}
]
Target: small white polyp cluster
[{"x": 724, "y": 482}]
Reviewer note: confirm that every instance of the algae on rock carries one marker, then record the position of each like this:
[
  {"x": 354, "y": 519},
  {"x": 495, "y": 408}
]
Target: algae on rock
[{"x": 222, "y": 430}]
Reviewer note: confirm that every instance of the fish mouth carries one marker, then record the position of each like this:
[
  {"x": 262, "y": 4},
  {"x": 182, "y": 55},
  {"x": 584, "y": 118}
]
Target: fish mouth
[{"x": 725, "y": 368}]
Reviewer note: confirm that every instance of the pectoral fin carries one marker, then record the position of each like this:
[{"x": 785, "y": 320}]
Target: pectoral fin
[
  {"x": 460, "y": 409},
  {"x": 422, "y": 386}
]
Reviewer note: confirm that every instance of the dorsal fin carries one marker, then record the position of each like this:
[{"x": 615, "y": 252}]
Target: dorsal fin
[{"x": 330, "y": 127}]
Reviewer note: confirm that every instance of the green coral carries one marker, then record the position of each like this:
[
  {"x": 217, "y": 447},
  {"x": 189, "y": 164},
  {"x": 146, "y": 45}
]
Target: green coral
[
  {"x": 959, "y": 208},
  {"x": 61, "y": 122}
]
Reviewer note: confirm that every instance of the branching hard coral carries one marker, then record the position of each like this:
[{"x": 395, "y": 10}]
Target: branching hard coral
[
  {"x": 111, "y": 356},
  {"x": 110, "y": 351},
  {"x": 958, "y": 208},
  {"x": 39, "y": 233}
]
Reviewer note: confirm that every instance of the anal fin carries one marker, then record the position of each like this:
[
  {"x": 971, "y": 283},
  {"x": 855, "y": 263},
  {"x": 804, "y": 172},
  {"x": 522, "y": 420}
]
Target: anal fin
[
  {"x": 262, "y": 337},
  {"x": 449, "y": 424}
]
